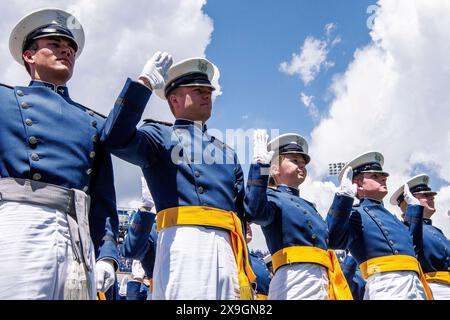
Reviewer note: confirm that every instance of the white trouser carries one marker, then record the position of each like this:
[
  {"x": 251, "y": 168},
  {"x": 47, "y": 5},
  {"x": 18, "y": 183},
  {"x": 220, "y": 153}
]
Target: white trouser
[
  {"x": 35, "y": 251},
  {"x": 194, "y": 263},
  {"x": 440, "y": 291},
  {"x": 394, "y": 285},
  {"x": 300, "y": 281}
]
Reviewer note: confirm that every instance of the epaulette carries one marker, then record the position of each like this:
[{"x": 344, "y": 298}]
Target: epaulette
[
  {"x": 89, "y": 109},
  {"x": 5, "y": 85},
  {"x": 96, "y": 112},
  {"x": 312, "y": 204},
  {"x": 158, "y": 122},
  {"x": 223, "y": 143}
]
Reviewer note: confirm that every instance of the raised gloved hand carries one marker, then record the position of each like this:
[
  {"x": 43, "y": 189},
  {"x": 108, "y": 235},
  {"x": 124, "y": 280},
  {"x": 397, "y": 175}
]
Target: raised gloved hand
[
  {"x": 146, "y": 199},
  {"x": 156, "y": 68},
  {"x": 409, "y": 198},
  {"x": 104, "y": 274},
  {"x": 347, "y": 187},
  {"x": 260, "y": 153},
  {"x": 137, "y": 272}
]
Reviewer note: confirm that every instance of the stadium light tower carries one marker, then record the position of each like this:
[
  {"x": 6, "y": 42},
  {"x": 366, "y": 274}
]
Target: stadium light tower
[{"x": 335, "y": 168}]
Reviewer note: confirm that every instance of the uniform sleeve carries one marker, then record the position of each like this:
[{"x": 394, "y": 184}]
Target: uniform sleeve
[
  {"x": 414, "y": 221},
  {"x": 120, "y": 135},
  {"x": 239, "y": 191},
  {"x": 257, "y": 207},
  {"x": 103, "y": 218},
  {"x": 136, "y": 242},
  {"x": 338, "y": 220}
]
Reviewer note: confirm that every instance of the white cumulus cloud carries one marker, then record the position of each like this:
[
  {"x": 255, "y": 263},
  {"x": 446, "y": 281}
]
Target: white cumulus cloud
[
  {"x": 307, "y": 64},
  {"x": 394, "y": 98},
  {"x": 120, "y": 38}
]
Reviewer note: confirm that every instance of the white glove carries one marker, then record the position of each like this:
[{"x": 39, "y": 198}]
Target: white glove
[
  {"x": 409, "y": 198},
  {"x": 156, "y": 69},
  {"x": 260, "y": 153},
  {"x": 137, "y": 272},
  {"x": 147, "y": 199},
  {"x": 104, "y": 274},
  {"x": 347, "y": 188}
]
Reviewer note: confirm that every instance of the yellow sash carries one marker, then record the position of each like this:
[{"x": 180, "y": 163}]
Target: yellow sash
[
  {"x": 394, "y": 263},
  {"x": 150, "y": 285},
  {"x": 439, "y": 276},
  {"x": 339, "y": 289},
  {"x": 100, "y": 296},
  {"x": 212, "y": 217},
  {"x": 260, "y": 296}
]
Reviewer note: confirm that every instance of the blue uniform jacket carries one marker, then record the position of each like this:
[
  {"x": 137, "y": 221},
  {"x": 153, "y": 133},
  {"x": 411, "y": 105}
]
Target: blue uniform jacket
[
  {"x": 435, "y": 253},
  {"x": 46, "y": 136},
  {"x": 140, "y": 241},
  {"x": 137, "y": 290},
  {"x": 286, "y": 219},
  {"x": 262, "y": 274},
  {"x": 182, "y": 164},
  {"x": 369, "y": 231},
  {"x": 354, "y": 277}
]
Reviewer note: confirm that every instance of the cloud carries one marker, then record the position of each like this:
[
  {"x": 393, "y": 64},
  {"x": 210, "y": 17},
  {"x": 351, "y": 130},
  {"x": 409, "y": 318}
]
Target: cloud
[
  {"x": 394, "y": 98},
  {"x": 329, "y": 28},
  {"x": 307, "y": 64},
  {"x": 120, "y": 38},
  {"x": 312, "y": 57},
  {"x": 309, "y": 104}
]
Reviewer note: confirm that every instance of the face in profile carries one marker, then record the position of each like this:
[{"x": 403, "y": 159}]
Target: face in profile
[
  {"x": 291, "y": 169},
  {"x": 192, "y": 103},
  {"x": 54, "y": 57},
  {"x": 372, "y": 185}
]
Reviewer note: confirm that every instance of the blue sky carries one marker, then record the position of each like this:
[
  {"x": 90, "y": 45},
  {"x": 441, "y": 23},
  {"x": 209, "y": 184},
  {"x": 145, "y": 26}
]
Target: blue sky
[
  {"x": 251, "y": 39},
  {"x": 383, "y": 89}
]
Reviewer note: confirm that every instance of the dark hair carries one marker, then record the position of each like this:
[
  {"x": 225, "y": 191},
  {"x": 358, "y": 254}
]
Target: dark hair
[{"x": 33, "y": 46}]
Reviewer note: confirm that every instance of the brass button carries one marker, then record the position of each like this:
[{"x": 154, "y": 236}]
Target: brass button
[
  {"x": 37, "y": 176},
  {"x": 91, "y": 113},
  {"x": 94, "y": 138},
  {"x": 85, "y": 189},
  {"x": 396, "y": 252},
  {"x": 92, "y": 154},
  {"x": 94, "y": 123},
  {"x": 29, "y": 122},
  {"x": 89, "y": 171},
  {"x": 34, "y": 157},
  {"x": 200, "y": 190},
  {"x": 313, "y": 237},
  {"x": 20, "y": 93},
  {"x": 197, "y": 174},
  {"x": 24, "y": 105}
]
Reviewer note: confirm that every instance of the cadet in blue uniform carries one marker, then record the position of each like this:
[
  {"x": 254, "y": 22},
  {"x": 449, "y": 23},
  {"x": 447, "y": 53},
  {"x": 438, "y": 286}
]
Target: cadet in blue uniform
[
  {"x": 140, "y": 241},
  {"x": 261, "y": 285},
  {"x": 354, "y": 276},
  {"x": 296, "y": 234},
  {"x": 197, "y": 185},
  {"x": 434, "y": 255},
  {"x": 54, "y": 171},
  {"x": 379, "y": 242},
  {"x": 136, "y": 288}
]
